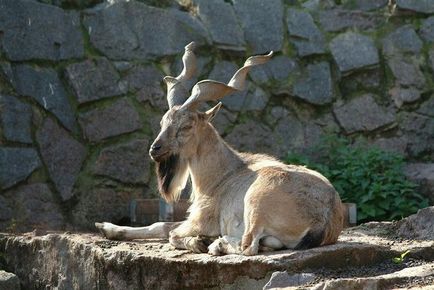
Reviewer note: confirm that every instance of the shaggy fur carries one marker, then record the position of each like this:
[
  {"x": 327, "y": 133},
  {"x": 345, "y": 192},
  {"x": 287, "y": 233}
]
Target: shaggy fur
[
  {"x": 166, "y": 170},
  {"x": 244, "y": 202}
]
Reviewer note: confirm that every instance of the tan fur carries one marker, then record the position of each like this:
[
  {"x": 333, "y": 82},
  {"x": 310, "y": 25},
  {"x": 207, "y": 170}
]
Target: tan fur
[
  {"x": 278, "y": 200},
  {"x": 245, "y": 202}
]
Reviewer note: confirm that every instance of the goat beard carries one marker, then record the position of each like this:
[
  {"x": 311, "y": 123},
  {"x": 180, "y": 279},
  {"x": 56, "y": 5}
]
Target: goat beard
[{"x": 166, "y": 171}]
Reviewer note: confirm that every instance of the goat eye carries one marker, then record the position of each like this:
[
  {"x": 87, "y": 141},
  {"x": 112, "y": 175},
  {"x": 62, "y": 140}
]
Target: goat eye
[{"x": 186, "y": 128}]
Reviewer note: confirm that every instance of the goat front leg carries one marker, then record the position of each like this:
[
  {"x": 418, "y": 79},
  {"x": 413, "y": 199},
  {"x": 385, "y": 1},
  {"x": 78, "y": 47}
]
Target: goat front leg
[
  {"x": 186, "y": 238},
  {"x": 158, "y": 230}
]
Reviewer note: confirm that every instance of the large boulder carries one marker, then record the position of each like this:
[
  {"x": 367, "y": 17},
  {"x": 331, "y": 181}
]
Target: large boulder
[
  {"x": 419, "y": 130},
  {"x": 362, "y": 114},
  {"x": 128, "y": 163},
  {"x": 262, "y": 24},
  {"x": 277, "y": 71},
  {"x": 16, "y": 119},
  {"x": 45, "y": 87},
  {"x": 32, "y": 206},
  {"x": 16, "y": 164},
  {"x": 404, "y": 95},
  {"x": 403, "y": 40},
  {"x": 427, "y": 29},
  {"x": 353, "y": 51},
  {"x": 145, "y": 83},
  {"x": 427, "y": 108},
  {"x": 280, "y": 280},
  {"x": 369, "y": 5},
  {"x": 304, "y": 33},
  {"x": 420, "y": 225},
  {"x": 128, "y": 30},
  {"x": 406, "y": 71},
  {"x": 423, "y": 174},
  {"x": 59, "y": 259},
  {"x": 419, "y": 6},
  {"x": 118, "y": 118},
  {"x": 62, "y": 154},
  {"x": 334, "y": 20},
  {"x": 31, "y": 30},
  {"x": 102, "y": 204},
  {"x": 385, "y": 281},
  {"x": 220, "y": 20},
  {"x": 95, "y": 79},
  {"x": 316, "y": 87}
]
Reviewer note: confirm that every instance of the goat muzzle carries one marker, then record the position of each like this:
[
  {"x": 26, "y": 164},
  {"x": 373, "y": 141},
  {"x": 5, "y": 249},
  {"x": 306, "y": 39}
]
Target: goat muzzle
[{"x": 157, "y": 153}]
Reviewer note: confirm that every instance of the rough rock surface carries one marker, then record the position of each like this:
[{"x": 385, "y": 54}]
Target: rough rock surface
[
  {"x": 403, "y": 95},
  {"x": 418, "y": 226},
  {"x": 420, "y": 6},
  {"x": 105, "y": 81},
  {"x": 368, "y": 5},
  {"x": 427, "y": 108},
  {"x": 353, "y": 51},
  {"x": 45, "y": 32},
  {"x": 424, "y": 272},
  {"x": 45, "y": 87},
  {"x": 256, "y": 100},
  {"x": 118, "y": 118},
  {"x": 423, "y": 174},
  {"x": 362, "y": 251},
  {"x": 280, "y": 280},
  {"x": 244, "y": 141},
  {"x": 32, "y": 207},
  {"x": 335, "y": 20},
  {"x": 16, "y": 119},
  {"x": 362, "y": 80},
  {"x": 262, "y": 24},
  {"x": 304, "y": 33},
  {"x": 403, "y": 39},
  {"x": 150, "y": 32},
  {"x": 128, "y": 163},
  {"x": 393, "y": 144},
  {"x": 278, "y": 69},
  {"x": 102, "y": 62},
  {"x": 362, "y": 114},
  {"x": 103, "y": 204},
  {"x": 220, "y": 20},
  {"x": 317, "y": 87},
  {"x": 420, "y": 132},
  {"x": 9, "y": 281},
  {"x": 427, "y": 29},
  {"x": 62, "y": 154},
  {"x": 145, "y": 82},
  {"x": 431, "y": 58},
  {"x": 406, "y": 71},
  {"x": 16, "y": 164}
]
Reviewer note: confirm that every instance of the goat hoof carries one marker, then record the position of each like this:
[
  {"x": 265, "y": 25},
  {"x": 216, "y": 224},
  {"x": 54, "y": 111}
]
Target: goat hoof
[
  {"x": 110, "y": 231},
  {"x": 250, "y": 251},
  {"x": 197, "y": 245},
  {"x": 101, "y": 228},
  {"x": 216, "y": 248}
]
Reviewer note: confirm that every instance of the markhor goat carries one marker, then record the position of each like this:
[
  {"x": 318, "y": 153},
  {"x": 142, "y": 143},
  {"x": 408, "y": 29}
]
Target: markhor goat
[{"x": 242, "y": 203}]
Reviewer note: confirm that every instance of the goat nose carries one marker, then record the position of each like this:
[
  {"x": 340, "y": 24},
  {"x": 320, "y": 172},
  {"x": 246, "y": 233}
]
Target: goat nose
[{"x": 156, "y": 147}]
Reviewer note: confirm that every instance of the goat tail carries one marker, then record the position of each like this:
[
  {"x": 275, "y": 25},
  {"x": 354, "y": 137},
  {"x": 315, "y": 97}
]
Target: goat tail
[{"x": 334, "y": 225}]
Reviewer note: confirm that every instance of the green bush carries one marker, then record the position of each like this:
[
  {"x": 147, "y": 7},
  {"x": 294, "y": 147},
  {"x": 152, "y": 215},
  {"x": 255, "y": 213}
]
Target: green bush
[{"x": 369, "y": 177}]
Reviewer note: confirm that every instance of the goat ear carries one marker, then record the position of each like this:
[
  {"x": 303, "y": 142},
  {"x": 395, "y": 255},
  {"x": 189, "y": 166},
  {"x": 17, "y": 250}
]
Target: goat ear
[{"x": 210, "y": 114}]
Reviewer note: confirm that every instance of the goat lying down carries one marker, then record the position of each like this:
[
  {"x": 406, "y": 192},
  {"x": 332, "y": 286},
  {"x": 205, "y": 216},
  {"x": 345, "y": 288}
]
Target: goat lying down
[{"x": 242, "y": 203}]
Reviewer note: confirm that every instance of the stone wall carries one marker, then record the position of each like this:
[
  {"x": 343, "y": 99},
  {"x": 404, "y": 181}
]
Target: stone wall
[{"x": 81, "y": 93}]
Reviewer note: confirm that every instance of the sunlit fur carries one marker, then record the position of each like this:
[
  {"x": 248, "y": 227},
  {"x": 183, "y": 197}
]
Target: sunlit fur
[{"x": 251, "y": 201}]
